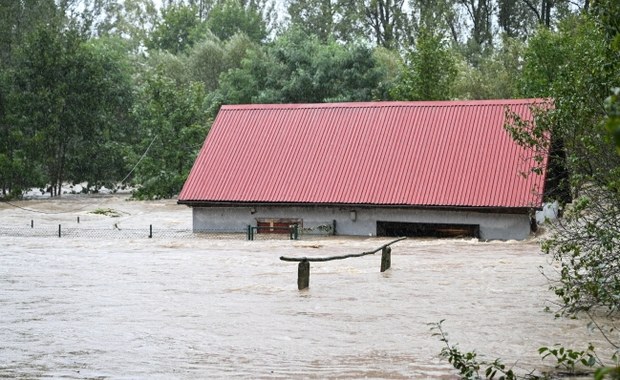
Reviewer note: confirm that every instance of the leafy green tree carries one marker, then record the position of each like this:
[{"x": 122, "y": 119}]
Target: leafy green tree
[
  {"x": 577, "y": 67},
  {"x": 18, "y": 169},
  {"x": 608, "y": 12},
  {"x": 211, "y": 57},
  {"x": 542, "y": 9},
  {"x": 612, "y": 106},
  {"x": 67, "y": 95},
  {"x": 179, "y": 28},
  {"x": 495, "y": 76},
  {"x": 207, "y": 61},
  {"x": 44, "y": 85},
  {"x": 230, "y": 17},
  {"x": 105, "y": 130},
  {"x": 173, "y": 66},
  {"x": 203, "y": 6},
  {"x": 173, "y": 122},
  {"x": 392, "y": 67},
  {"x": 327, "y": 19},
  {"x": 387, "y": 22},
  {"x": 297, "y": 69},
  {"x": 131, "y": 20},
  {"x": 19, "y": 166},
  {"x": 438, "y": 17},
  {"x": 480, "y": 40},
  {"x": 431, "y": 72},
  {"x": 515, "y": 19}
]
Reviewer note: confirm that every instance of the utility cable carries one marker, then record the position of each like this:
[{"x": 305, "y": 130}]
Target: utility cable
[
  {"x": 140, "y": 160},
  {"x": 88, "y": 205}
]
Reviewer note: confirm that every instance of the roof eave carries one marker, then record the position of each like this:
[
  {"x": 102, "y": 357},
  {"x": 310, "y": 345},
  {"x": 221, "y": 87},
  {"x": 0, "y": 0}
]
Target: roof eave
[{"x": 504, "y": 209}]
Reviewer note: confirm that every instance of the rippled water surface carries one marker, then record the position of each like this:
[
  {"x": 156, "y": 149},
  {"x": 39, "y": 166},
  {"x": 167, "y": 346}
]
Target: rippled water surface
[{"x": 226, "y": 308}]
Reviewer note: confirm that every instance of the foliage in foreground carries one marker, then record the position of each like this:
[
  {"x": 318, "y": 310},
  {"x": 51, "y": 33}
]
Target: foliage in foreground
[
  {"x": 578, "y": 67},
  {"x": 568, "y": 362},
  {"x": 467, "y": 363}
]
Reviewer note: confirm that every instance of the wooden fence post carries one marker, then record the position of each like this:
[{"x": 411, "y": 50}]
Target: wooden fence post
[
  {"x": 386, "y": 258},
  {"x": 303, "y": 275},
  {"x": 303, "y": 270}
]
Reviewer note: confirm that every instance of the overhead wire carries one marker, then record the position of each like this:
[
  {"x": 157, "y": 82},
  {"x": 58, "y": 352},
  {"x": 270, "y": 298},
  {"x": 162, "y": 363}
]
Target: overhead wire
[{"x": 87, "y": 205}]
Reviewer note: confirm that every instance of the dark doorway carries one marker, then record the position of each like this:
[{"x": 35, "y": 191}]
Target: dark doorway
[{"x": 439, "y": 230}]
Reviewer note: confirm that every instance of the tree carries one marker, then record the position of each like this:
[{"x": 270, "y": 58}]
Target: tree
[
  {"x": 67, "y": 96},
  {"x": 173, "y": 66},
  {"x": 612, "y": 122},
  {"x": 495, "y": 76},
  {"x": 327, "y": 19},
  {"x": 173, "y": 122},
  {"x": 203, "y": 6},
  {"x": 515, "y": 18},
  {"x": 211, "y": 57},
  {"x": 480, "y": 15},
  {"x": 20, "y": 166},
  {"x": 18, "y": 170},
  {"x": 105, "y": 131},
  {"x": 387, "y": 22},
  {"x": 438, "y": 17},
  {"x": 431, "y": 72},
  {"x": 299, "y": 68},
  {"x": 131, "y": 20},
  {"x": 179, "y": 28},
  {"x": 577, "y": 67},
  {"x": 608, "y": 12},
  {"x": 391, "y": 66},
  {"x": 46, "y": 78},
  {"x": 230, "y": 17}
]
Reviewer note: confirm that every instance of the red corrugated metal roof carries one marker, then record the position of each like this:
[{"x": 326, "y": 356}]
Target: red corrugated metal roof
[{"x": 452, "y": 154}]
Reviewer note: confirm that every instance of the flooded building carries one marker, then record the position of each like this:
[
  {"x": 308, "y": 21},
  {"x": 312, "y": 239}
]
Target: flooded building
[{"x": 446, "y": 168}]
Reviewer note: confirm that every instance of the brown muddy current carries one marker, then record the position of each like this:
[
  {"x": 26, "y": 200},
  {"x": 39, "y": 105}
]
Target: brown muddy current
[{"x": 182, "y": 308}]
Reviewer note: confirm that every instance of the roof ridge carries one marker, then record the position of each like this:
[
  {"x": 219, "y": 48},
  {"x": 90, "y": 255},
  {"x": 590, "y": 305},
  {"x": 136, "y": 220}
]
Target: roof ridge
[{"x": 388, "y": 104}]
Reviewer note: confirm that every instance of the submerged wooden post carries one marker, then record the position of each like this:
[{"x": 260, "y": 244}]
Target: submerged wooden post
[
  {"x": 303, "y": 270},
  {"x": 303, "y": 274},
  {"x": 386, "y": 258}
]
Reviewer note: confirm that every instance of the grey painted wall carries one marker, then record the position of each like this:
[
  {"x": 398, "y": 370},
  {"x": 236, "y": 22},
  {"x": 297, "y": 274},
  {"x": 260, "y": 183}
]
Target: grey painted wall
[{"x": 493, "y": 226}]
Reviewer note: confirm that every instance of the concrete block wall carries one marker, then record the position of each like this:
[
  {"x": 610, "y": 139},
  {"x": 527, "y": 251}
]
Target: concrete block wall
[{"x": 360, "y": 221}]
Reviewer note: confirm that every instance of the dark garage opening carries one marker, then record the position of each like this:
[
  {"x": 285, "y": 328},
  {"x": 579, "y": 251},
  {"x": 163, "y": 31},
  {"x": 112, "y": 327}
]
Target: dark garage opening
[{"x": 439, "y": 230}]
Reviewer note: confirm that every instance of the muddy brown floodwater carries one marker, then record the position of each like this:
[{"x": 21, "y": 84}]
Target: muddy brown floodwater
[{"x": 167, "y": 308}]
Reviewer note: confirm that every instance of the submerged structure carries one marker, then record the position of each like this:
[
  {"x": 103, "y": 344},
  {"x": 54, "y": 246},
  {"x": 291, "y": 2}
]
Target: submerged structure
[{"x": 441, "y": 168}]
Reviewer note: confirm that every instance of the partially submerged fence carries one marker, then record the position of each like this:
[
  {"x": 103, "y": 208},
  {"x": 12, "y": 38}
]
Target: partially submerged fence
[
  {"x": 120, "y": 230},
  {"x": 77, "y": 230},
  {"x": 303, "y": 269},
  {"x": 102, "y": 232}
]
